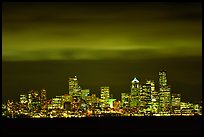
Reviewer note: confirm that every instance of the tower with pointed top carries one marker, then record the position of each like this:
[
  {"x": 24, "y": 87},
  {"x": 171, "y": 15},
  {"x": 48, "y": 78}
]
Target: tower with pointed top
[{"x": 135, "y": 93}]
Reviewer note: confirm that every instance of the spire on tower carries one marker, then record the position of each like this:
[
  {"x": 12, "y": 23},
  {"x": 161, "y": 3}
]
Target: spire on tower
[{"x": 135, "y": 80}]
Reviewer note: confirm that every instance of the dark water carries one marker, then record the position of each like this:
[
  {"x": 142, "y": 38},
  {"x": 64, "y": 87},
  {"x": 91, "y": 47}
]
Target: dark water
[{"x": 106, "y": 126}]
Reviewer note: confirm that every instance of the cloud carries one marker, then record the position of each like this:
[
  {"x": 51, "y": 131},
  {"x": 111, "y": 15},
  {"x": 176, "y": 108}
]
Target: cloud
[
  {"x": 90, "y": 31},
  {"x": 96, "y": 54}
]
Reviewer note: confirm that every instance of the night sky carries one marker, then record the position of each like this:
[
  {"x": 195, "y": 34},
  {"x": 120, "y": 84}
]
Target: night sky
[{"x": 43, "y": 44}]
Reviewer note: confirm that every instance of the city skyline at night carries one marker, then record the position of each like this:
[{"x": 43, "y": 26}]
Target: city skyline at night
[
  {"x": 142, "y": 100},
  {"x": 104, "y": 68},
  {"x": 102, "y": 44},
  {"x": 156, "y": 84}
]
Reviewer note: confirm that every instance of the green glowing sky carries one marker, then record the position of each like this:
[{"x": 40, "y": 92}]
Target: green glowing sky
[
  {"x": 100, "y": 31},
  {"x": 103, "y": 44}
]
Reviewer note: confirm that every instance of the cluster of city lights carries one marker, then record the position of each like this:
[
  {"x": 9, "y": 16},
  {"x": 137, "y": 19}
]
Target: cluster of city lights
[{"x": 142, "y": 100}]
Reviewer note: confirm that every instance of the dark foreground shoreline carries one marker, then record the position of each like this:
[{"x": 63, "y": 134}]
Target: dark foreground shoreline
[{"x": 105, "y": 126}]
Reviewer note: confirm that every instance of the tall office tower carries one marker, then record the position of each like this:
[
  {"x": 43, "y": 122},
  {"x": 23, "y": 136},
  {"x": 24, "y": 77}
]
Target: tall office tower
[
  {"x": 30, "y": 98},
  {"x": 74, "y": 88},
  {"x": 105, "y": 95},
  {"x": 23, "y": 103},
  {"x": 43, "y": 94},
  {"x": 154, "y": 97},
  {"x": 135, "y": 93},
  {"x": 84, "y": 93},
  {"x": 145, "y": 98},
  {"x": 162, "y": 79},
  {"x": 176, "y": 102},
  {"x": 125, "y": 100},
  {"x": 164, "y": 94},
  {"x": 43, "y": 100}
]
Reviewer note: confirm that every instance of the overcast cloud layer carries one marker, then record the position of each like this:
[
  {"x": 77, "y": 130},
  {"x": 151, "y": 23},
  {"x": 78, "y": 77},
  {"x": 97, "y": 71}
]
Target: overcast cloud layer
[{"x": 42, "y": 31}]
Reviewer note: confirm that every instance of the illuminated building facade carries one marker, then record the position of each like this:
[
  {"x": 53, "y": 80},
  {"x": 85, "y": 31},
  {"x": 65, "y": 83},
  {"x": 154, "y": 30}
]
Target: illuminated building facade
[
  {"x": 34, "y": 103},
  {"x": 57, "y": 102},
  {"x": 125, "y": 100},
  {"x": 154, "y": 97},
  {"x": 74, "y": 88},
  {"x": 197, "y": 109},
  {"x": 30, "y": 100},
  {"x": 110, "y": 101},
  {"x": 66, "y": 101},
  {"x": 105, "y": 95},
  {"x": 43, "y": 95},
  {"x": 23, "y": 103},
  {"x": 4, "y": 110},
  {"x": 43, "y": 100},
  {"x": 187, "y": 109},
  {"x": 142, "y": 100},
  {"x": 94, "y": 101},
  {"x": 145, "y": 98},
  {"x": 135, "y": 93},
  {"x": 176, "y": 103},
  {"x": 164, "y": 94},
  {"x": 85, "y": 93},
  {"x": 116, "y": 105}
]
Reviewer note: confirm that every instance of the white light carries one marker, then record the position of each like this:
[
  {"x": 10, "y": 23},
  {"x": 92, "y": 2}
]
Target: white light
[
  {"x": 135, "y": 80},
  {"x": 153, "y": 99}
]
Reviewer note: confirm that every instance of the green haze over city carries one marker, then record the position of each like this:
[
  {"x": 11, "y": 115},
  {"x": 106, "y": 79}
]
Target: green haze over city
[
  {"x": 43, "y": 44},
  {"x": 95, "y": 31}
]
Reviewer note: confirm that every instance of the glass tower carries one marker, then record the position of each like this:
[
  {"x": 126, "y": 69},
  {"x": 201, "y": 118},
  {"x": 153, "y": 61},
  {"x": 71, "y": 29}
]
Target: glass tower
[
  {"x": 135, "y": 93},
  {"x": 74, "y": 88},
  {"x": 105, "y": 95},
  {"x": 164, "y": 94}
]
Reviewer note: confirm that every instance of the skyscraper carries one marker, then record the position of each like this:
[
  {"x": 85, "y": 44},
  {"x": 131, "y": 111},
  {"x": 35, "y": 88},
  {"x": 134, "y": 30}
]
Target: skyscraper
[
  {"x": 135, "y": 93},
  {"x": 162, "y": 79},
  {"x": 74, "y": 88},
  {"x": 154, "y": 97},
  {"x": 164, "y": 94},
  {"x": 105, "y": 95},
  {"x": 43, "y": 95},
  {"x": 43, "y": 99},
  {"x": 145, "y": 98}
]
